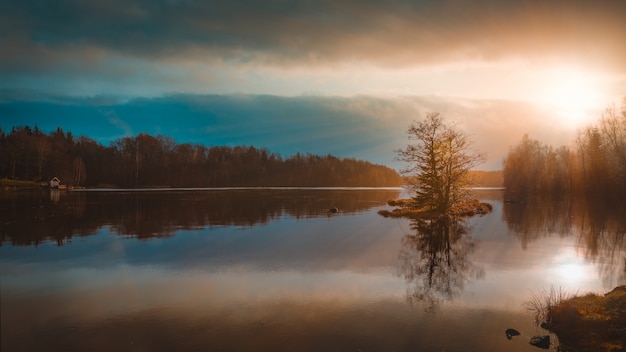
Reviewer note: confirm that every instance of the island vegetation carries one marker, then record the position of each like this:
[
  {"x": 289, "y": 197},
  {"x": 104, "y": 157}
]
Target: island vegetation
[
  {"x": 438, "y": 172},
  {"x": 28, "y": 156}
]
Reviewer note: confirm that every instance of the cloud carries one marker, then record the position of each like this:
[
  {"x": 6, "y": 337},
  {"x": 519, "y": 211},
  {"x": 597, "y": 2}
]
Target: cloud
[
  {"x": 78, "y": 35},
  {"x": 363, "y": 127},
  {"x": 117, "y": 122}
]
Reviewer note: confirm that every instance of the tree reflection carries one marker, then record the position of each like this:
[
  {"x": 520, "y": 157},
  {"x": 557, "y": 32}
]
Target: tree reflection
[
  {"x": 435, "y": 260},
  {"x": 539, "y": 217},
  {"x": 600, "y": 229},
  {"x": 30, "y": 218}
]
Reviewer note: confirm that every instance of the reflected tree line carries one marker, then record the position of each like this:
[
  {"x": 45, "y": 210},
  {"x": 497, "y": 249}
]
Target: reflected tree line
[
  {"x": 539, "y": 217},
  {"x": 600, "y": 228},
  {"x": 29, "y": 154},
  {"x": 31, "y": 218},
  {"x": 596, "y": 166}
]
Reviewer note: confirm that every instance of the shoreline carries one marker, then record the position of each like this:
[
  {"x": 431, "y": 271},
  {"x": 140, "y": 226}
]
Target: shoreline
[{"x": 589, "y": 322}]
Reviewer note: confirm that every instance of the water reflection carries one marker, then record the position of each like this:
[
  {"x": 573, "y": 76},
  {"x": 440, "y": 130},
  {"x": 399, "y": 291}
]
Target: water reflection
[
  {"x": 435, "y": 260},
  {"x": 31, "y": 218},
  {"x": 300, "y": 279},
  {"x": 599, "y": 228},
  {"x": 536, "y": 218}
]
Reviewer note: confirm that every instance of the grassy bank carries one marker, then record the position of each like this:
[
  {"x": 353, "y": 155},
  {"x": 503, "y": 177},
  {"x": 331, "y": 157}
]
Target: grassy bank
[{"x": 584, "y": 322}]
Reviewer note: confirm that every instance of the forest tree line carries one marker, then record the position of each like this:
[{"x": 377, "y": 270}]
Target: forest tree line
[
  {"x": 595, "y": 165},
  {"x": 145, "y": 160}
]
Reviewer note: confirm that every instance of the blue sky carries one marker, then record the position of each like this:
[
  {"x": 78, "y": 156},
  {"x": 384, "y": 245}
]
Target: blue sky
[{"x": 340, "y": 77}]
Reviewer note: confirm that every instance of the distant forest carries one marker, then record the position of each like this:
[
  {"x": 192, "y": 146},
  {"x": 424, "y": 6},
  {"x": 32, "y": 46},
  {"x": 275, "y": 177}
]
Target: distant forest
[
  {"x": 147, "y": 161},
  {"x": 480, "y": 178},
  {"x": 595, "y": 166}
]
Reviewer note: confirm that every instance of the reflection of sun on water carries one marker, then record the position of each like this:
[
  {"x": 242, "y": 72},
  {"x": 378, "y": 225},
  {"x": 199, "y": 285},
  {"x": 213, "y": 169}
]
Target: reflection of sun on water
[{"x": 572, "y": 269}]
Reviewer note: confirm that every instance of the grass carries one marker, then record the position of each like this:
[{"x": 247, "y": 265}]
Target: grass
[
  {"x": 544, "y": 301},
  {"x": 406, "y": 208},
  {"x": 587, "y": 322}
]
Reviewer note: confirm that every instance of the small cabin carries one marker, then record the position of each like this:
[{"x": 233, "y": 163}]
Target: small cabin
[{"x": 54, "y": 183}]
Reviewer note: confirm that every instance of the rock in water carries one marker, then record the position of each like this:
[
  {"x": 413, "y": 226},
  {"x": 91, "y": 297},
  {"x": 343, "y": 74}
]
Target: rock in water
[
  {"x": 510, "y": 333},
  {"x": 540, "y": 341}
]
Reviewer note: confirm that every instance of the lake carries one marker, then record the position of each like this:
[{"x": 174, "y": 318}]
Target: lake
[{"x": 274, "y": 269}]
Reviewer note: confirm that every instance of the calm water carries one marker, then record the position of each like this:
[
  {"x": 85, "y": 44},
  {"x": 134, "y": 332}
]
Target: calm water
[{"x": 252, "y": 270}]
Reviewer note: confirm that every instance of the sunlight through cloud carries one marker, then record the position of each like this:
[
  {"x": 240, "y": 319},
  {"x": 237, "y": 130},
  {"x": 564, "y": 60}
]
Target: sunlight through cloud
[{"x": 573, "y": 94}]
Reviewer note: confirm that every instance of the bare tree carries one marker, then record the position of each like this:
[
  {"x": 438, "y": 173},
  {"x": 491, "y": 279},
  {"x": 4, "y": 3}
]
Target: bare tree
[{"x": 439, "y": 164}]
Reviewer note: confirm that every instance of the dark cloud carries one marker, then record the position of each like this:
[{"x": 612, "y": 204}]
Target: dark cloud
[
  {"x": 347, "y": 127},
  {"x": 76, "y": 35},
  {"x": 364, "y": 127}
]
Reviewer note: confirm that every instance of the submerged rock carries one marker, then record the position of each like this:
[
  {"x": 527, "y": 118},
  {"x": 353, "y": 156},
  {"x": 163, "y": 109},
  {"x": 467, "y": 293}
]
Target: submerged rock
[
  {"x": 511, "y": 332},
  {"x": 540, "y": 341}
]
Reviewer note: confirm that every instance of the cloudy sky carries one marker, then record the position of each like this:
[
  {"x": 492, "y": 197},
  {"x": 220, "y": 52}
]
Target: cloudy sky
[{"x": 339, "y": 77}]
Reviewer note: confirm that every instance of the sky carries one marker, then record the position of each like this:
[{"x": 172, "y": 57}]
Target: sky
[{"x": 339, "y": 77}]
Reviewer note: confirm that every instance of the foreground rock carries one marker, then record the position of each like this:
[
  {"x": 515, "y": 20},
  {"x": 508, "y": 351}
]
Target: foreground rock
[
  {"x": 511, "y": 332},
  {"x": 540, "y": 341}
]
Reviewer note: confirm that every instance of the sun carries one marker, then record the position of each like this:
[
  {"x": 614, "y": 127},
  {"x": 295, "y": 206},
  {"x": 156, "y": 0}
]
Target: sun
[{"x": 572, "y": 95}]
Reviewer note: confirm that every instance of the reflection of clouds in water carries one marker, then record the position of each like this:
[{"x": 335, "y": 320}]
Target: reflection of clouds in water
[
  {"x": 116, "y": 248},
  {"x": 314, "y": 275},
  {"x": 127, "y": 288}
]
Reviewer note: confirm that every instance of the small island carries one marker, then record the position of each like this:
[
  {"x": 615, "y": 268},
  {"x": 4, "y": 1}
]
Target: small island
[
  {"x": 438, "y": 173},
  {"x": 409, "y": 208}
]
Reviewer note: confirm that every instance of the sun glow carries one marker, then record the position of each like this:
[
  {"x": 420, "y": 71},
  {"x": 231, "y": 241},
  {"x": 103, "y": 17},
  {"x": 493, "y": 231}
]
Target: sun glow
[
  {"x": 572, "y": 94},
  {"x": 572, "y": 269}
]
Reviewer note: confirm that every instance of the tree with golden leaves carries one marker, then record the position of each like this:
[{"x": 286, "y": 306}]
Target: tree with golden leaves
[{"x": 438, "y": 164}]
